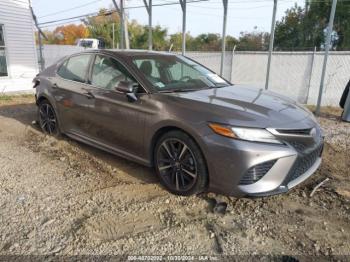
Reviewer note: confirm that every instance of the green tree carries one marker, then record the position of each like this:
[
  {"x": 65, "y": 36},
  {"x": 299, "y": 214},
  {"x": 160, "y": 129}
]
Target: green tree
[
  {"x": 138, "y": 35},
  {"x": 176, "y": 41},
  {"x": 290, "y": 32},
  {"x": 253, "y": 41},
  {"x": 302, "y": 28},
  {"x": 101, "y": 26},
  {"x": 207, "y": 42},
  {"x": 231, "y": 42}
]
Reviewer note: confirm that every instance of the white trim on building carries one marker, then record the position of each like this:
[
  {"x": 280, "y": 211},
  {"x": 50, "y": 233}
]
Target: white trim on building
[{"x": 20, "y": 49}]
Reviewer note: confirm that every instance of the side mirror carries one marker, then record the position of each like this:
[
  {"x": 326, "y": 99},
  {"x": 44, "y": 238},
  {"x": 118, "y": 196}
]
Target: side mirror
[{"x": 127, "y": 88}]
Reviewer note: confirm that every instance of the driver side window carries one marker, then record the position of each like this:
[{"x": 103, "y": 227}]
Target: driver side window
[{"x": 108, "y": 72}]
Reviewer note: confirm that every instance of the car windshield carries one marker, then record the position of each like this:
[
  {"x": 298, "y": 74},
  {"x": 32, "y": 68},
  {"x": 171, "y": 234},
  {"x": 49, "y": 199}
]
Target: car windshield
[{"x": 171, "y": 73}]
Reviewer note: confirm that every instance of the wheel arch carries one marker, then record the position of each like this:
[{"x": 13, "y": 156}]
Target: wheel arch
[
  {"x": 43, "y": 96},
  {"x": 165, "y": 129},
  {"x": 168, "y": 128}
]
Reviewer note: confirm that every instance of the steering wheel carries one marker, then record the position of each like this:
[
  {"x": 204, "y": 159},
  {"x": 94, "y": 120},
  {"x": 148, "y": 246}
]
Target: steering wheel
[{"x": 184, "y": 78}]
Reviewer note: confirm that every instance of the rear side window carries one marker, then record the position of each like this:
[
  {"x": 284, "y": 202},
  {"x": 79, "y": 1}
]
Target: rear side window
[{"x": 75, "y": 68}]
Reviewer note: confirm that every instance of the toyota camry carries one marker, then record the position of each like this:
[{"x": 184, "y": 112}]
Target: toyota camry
[{"x": 197, "y": 130}]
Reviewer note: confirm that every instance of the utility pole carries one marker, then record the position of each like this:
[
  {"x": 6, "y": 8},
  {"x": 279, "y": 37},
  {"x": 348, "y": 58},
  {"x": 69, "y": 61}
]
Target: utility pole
[
  {"x": 183, "y": 7},
  {"x": 126, "y": 31},
  {"x": 121, "y": 17},
  {"x": 325, "y": 59},
  {"x": 40, "y": 34},
  {"x": 149, "y": 11},
  {"x": 223, "y": 44},
  {"x": 272, "y": 37}
]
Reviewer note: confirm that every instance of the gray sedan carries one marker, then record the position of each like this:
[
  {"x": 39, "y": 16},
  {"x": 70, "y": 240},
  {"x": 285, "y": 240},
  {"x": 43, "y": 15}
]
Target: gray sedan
[{"x": 198, "y": 131}]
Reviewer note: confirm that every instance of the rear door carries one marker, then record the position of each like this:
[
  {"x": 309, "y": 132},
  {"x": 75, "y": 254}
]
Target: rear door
[{"x": 73, "y": 95}]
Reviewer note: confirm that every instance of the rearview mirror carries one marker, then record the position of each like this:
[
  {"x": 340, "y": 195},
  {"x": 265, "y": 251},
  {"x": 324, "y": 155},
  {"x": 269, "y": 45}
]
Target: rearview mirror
[{"x": 127, "y": 88}]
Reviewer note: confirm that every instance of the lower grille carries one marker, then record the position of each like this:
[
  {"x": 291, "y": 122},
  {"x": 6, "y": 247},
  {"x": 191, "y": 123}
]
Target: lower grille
[
  {"x": 304, "y": 163},
  {"x": 255, "y": 173}
]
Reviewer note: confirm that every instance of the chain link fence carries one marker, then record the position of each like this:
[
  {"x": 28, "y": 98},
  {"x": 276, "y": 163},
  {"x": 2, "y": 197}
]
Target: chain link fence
[{"x": 294, "y": 74}]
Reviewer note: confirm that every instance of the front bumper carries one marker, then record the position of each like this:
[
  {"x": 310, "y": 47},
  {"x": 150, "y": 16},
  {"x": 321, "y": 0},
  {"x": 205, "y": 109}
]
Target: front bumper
[
  {"x": 286, "y": 186},
  {"x": 230, "y": 160}
]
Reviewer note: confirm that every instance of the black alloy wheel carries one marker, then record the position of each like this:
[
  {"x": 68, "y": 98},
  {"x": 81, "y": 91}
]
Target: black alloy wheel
[
  {"x": 47, "y": 119},
  {"x": 180, "y": 164}
]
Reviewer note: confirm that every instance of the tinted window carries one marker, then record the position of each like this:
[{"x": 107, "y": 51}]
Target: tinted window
[
  {"x": 182, "y": 71},
  {"x": 108, "y": 72},
  {"x": 148, "y": 65},
  {"x": 170, "y": 73},
  {"x": 3, "y": 63},
  {"x": 75, "y": 68}
]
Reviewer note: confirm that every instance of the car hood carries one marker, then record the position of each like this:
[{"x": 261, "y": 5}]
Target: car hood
[{"x": 247, "y": 106}]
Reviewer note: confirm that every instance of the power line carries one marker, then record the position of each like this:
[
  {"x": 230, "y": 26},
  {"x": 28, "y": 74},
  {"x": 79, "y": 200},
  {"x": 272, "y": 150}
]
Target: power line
[
  {"x": 213, "y": 15},
  {"x": 58, "y": 24},
  {"x": 164, "y": 4},
  {"x": 108, "y": 12},
  {"x": 168, "y": 3},
  {"x": 112, "y": 11},
  {"x": 70, "y": 9}
]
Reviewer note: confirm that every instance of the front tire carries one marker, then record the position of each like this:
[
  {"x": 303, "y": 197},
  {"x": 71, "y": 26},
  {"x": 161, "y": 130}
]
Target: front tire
[
  {"x": 47, "y": 118},
  {"x": 179, "y": 164}
]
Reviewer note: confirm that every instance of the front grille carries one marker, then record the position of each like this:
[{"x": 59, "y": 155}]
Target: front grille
[
  {"x": 255, "y": 173},
  {"x": 304, "y": 162},
  {"x": 298, "y": 146},
  {"x": 295, "y": 131}
]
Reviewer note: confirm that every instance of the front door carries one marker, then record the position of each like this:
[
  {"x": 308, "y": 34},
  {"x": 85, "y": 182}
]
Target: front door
[{"x": 115, "y": 121}]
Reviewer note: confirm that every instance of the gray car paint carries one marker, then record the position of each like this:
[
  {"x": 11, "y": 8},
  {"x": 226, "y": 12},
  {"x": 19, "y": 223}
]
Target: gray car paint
[{"x": 108, "y": 120}]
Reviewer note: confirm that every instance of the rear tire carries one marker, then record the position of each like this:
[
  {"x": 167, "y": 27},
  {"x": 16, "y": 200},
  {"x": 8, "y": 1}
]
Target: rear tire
[
  {"x": 48, "y": 119},
  {"x": 179, "y": 164}
]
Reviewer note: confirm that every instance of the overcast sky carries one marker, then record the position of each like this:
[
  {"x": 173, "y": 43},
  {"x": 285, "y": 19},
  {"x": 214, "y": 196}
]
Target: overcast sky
[{"x": 202, "y": 17}]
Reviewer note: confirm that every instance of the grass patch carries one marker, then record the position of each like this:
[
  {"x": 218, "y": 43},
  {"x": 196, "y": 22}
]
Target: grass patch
[
  {"x": 13, "y": 99},
  {"x": 327, "y": 111},
  {"x": 5, "y": 98}
]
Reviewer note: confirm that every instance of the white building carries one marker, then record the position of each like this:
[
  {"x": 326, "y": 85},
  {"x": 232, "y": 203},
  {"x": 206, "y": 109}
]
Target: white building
[{"x": 18, "y": 56}]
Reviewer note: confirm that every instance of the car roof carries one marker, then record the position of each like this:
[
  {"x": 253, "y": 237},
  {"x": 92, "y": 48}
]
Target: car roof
[{"x": 130, "y": 53}]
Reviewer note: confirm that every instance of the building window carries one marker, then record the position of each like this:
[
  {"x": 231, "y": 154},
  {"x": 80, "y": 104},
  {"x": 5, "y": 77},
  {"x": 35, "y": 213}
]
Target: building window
[{"x": 3, "y": 63}]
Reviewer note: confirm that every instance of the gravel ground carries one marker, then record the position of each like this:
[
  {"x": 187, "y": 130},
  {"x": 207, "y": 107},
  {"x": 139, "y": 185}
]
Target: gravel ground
[{"x": 65, "y": 198}]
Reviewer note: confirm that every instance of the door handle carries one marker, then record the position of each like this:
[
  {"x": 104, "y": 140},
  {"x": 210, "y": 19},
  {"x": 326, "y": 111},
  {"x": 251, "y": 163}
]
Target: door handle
[{"x": 89, "y": 95}]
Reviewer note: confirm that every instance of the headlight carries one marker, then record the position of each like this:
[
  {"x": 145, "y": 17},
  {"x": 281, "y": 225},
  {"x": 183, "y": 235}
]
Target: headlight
[{"x": 245, "y": 133}]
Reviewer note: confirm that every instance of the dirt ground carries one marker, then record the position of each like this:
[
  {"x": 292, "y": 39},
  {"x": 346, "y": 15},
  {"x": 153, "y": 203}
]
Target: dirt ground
[{"x": 65, "y": 198}]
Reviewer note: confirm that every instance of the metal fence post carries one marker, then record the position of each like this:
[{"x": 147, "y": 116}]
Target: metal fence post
[
  {"x": 233, "y": 54},
  {"x": 113, "y": 36},
  {"x": 223, "y": 44},
  {"x": 327, "y": 46},
  {"x": 149, "y": 11},
  {"x": 272, "y": 37},
  {"x": 183, "y": 6},
  {"x": 40, "y": 34},
  {"x": 121, "y": 17},
  {"x": 310, "y": 76}
]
